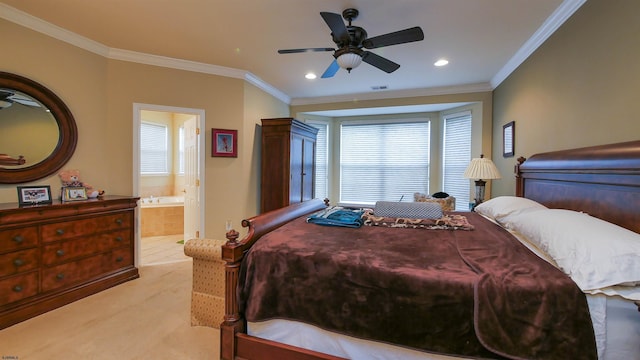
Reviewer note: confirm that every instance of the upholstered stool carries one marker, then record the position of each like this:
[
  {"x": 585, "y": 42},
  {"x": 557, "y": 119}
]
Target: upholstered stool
[
  {"x": 448, "y": 203},
  {"x": 207, "y": 296}
]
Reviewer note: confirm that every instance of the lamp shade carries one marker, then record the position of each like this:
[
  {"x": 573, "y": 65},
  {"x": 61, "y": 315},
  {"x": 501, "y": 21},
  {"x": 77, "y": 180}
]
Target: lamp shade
[
  {"x": 482, "y": 168},
  {"x": 349, "y": 60}
]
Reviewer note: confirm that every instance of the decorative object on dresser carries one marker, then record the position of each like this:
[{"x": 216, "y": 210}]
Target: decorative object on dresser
[
  {"x": 74, "y": 193},
  {"x": 34, "y": 195},
  {"x": 288, "y": 163},
  {"x": 224, "y": 143},
  {"x": 481, "y": 168},
  {"x": 56, "y": 254}
]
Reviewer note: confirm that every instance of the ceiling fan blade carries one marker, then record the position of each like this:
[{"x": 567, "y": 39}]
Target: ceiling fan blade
[
  {"x": 337, "y": 26},
  {"x": 378, "y": 61},
  {"x": 26, "y": 102},
  {"x": 293, "y": 51},
  {"x": 394, "y": 38},
  {"x": 331, "y": 70}
]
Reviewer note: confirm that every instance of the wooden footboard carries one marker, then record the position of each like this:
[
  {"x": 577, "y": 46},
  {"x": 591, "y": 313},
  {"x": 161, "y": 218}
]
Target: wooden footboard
[{"x": 234, "y": 343}]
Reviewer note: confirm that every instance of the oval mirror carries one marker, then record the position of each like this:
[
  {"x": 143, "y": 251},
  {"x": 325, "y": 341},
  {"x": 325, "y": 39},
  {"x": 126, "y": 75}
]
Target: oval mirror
[{"x": 38, "y": 133}]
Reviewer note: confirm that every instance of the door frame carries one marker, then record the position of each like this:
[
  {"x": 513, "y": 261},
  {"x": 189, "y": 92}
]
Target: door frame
[{"x": 137, "y": 120}]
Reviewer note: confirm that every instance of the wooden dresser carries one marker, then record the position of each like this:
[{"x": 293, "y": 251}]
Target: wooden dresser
[
  {"x": 51, "y": 255},
  {"x": 288, "y": 163}
]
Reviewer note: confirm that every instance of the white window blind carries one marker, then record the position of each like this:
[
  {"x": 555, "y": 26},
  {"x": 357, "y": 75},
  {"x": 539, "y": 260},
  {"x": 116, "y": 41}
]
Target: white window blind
[
  {"x": 456, "y": 156},
  {"x": 383, "y": 161},
  {"x": 322, "y": 161},
  {"x": 153, "y": 149}
]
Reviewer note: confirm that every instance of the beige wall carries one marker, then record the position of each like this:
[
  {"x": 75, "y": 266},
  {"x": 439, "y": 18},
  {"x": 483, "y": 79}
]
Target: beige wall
[
  {"x": 580, "y": 88},
  {"x": 101, "y": 92}
]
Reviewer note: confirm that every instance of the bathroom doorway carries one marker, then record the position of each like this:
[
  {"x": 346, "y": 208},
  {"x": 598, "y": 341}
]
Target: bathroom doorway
[{"x": 168, "y": 178}]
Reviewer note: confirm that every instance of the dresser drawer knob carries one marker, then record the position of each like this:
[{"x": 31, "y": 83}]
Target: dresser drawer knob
[
  {"x": 18, "y": 238},
  {"x": 60, "y": 276},
  {"x": 119, "y": 221},
  {"x": 119, "y": 259},
  {"x": 17, "y": 288},
  {"x": 18, "y": 262},
  {"x": 60, "y": 232},
  {"x": 119, "y": 238},
  {"x": 60, "y": 252}
]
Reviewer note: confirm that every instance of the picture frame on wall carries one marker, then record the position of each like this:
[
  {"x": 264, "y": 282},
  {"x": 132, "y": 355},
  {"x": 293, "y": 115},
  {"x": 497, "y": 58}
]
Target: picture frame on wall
[
  {"x": 224, "y": 143},
  {"x": 74, "y": 193},
  {"x": 34, "y": 195},
  {"x": 508, "y": 139}
]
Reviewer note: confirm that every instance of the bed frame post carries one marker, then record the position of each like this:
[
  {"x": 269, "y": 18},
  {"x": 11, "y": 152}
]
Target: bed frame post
[
  {"x": 232, "y": 254},
  {"x": 519, "y": 180}
]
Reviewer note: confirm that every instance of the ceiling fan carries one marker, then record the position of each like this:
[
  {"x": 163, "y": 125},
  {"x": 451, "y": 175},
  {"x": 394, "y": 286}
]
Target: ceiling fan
[
  {"x": 8, "y": 98},
  {"x": 351, "y": 40}
]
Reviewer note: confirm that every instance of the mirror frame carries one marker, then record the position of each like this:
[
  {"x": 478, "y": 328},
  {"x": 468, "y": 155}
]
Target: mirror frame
[{"x": 68, "y": 132}]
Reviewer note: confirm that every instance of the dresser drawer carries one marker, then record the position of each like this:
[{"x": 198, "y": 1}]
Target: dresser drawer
[
  {"x": 18, "y": 238},
  {"x": 18, "y": 262},
  {"x": 85, "y": 269},
  {"x": 18, "y": 287},
  {"x": 56, "y": 253},
  {"x": 70, "y": 229}
]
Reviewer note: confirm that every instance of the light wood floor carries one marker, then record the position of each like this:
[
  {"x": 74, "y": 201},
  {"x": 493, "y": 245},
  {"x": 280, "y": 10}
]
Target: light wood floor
[
  {"x": 147, "y": 318},
  {"x": 156, "y": 250}
]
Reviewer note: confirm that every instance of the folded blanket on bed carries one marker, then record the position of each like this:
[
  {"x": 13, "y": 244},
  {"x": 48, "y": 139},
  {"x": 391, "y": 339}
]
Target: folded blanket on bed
[
  {"x": 446, "y": 222},
  {"x": 337, "y": 216}
]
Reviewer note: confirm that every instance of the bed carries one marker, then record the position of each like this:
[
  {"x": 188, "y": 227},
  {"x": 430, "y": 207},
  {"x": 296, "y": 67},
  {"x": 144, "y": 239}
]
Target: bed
[{"x": 579, "y": 186}]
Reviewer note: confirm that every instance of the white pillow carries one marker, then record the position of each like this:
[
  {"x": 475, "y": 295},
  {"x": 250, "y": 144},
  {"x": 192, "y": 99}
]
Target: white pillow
[
  {"x": 593, "y": 252},
  {"x": 502, "y": 207}
]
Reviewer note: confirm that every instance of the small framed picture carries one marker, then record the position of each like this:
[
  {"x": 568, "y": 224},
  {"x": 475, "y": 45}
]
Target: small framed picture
[
  {"x": 224, "y": 143},
  {"x": 74, "y": 193},
  {"x": 508, "y": 139},
  {"x": 34, "y": 195}
]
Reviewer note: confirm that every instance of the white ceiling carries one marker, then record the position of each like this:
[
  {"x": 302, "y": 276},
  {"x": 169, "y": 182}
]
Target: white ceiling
[{"x": 484, "y": 40}]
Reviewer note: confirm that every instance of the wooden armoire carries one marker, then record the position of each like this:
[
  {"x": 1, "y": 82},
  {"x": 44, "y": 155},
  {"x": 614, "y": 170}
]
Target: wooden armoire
[{"x": 288, "y": 163}]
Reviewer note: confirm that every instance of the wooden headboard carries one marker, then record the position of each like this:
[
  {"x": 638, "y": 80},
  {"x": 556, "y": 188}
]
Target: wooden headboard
[{"x": 603, "y": 181}]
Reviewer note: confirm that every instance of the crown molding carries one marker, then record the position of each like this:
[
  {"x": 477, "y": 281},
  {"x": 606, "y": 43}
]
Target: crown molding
[
  {"x": 31, "y": 22},
  {"x": 36, "y": 24},
  {"x": 168, "y": 62},
  {"x": 553, "y": 22},
  {"x": 444, "y": 90},
  {"x": 252, "y": 79}
]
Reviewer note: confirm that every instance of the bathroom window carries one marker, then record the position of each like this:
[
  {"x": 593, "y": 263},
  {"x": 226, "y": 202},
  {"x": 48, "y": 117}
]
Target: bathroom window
[
  {"x": 181, "y": 150},
  {"x": 154, "y": 155}
]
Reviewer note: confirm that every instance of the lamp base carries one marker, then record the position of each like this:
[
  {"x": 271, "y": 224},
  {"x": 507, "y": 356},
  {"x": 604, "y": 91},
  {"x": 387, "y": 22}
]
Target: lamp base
[{"x": 479, "y": 192}]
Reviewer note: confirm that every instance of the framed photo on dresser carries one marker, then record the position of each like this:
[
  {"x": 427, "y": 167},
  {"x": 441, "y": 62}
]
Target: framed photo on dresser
[
  {"x": 34, "y": 195},
  {"x": 74, "y": 193}
]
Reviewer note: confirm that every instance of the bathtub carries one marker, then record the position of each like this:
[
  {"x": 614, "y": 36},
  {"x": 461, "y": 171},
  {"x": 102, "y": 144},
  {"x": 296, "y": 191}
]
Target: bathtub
[
  {"x": 163, "y": 215},
  {"x": 161, "y": 201}
]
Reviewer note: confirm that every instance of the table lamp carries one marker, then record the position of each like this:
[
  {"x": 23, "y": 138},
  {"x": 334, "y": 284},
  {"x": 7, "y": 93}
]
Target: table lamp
[{"x": 481, "y": 168}]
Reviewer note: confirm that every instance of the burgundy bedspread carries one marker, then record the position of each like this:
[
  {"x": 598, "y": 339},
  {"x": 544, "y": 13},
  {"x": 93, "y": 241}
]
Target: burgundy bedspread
[{"x": 476, "y": 293}]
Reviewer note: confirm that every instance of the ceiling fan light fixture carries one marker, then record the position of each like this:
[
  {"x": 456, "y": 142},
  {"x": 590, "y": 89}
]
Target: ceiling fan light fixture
[
  {"x": 349, "y": 61},
  {"x": 441, "y": 62}
]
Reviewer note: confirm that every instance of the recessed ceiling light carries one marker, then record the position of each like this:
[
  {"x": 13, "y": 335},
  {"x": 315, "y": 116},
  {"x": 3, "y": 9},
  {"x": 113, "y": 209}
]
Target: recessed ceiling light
[
  {"x": 441, "y": 62},
  {"x": 310, "y": 76}
]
